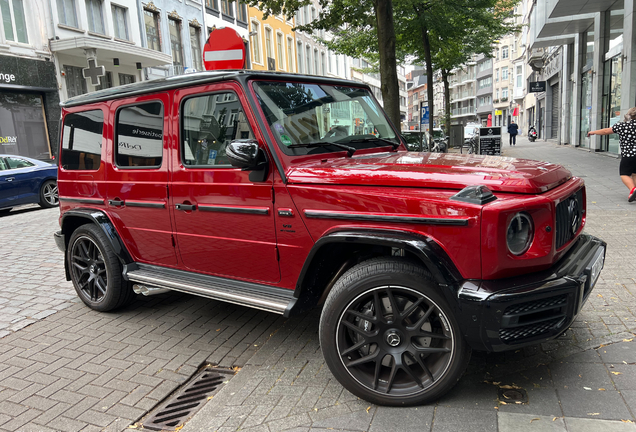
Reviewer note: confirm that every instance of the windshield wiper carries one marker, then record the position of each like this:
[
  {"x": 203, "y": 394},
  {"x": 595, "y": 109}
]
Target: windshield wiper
[
  {"x": 350, "y": 150},
  {"x": 394, "y": 144}
]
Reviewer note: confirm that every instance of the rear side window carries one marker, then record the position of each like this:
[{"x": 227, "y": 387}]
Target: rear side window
[
  {"x": 82, "y": 140},
  {"x": 139, "y": 136},
  {"x": 208, "y": 124},
  {"x": 15, "y": 163}
]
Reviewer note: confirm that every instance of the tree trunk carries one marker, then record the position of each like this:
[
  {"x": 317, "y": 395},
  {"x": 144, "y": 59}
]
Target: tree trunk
[
  {"x": 428, "y": 59},
  {"x": 388, "y": 63},
  {"x": 447, "y": 101}
]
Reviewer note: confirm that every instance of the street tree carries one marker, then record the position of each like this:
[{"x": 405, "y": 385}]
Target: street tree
[
  {"x": 451, "y": 32},
  {"x": 360, "y": 29}
]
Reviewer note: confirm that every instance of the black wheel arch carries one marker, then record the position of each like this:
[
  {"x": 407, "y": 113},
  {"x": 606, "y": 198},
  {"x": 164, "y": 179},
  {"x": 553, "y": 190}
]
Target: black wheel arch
[
  {"x": 336, "y": 252},
  {"x": 73, "y": 219}
]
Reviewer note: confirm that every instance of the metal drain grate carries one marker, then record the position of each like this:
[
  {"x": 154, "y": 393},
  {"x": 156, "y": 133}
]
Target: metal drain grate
[{"x": 188, "y": 400}]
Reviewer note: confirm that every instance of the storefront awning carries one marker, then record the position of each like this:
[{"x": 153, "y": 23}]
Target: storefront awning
[{"x": 128, "y": 54}]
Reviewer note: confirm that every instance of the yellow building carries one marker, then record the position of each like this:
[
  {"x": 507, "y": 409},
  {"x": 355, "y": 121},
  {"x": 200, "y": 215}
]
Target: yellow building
[{"x": 272, "y": 42}]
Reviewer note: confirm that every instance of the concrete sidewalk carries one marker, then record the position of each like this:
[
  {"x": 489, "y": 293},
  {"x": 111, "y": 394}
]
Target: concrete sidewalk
[{"x": 584, "y": 381}]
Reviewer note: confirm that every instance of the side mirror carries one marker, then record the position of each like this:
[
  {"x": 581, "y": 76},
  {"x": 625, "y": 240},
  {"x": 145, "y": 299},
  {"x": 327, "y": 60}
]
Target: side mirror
[{"x": 247, "y": 155}]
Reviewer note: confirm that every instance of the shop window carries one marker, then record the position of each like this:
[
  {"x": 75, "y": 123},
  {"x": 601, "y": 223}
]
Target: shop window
[
  {"x": 95, "y": 16},
  {"x": 15, "y": 29},
  {"x": 82, "y": 140},
  {"x": 120, "y": 21},
  {"x": 151, "y": 20},
  {"x": 66, "y": 13},
  {"x": 208, "y": 124},
  {"x": 75, "y": 81},
  {"x": 139, "y": 136}
]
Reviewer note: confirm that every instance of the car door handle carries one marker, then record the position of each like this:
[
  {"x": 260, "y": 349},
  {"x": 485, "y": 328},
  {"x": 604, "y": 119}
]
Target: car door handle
[
  {"x": 116, "y": 203},
  {"x": 10, "y": 179},
  {"x": 186, "y": 207}
]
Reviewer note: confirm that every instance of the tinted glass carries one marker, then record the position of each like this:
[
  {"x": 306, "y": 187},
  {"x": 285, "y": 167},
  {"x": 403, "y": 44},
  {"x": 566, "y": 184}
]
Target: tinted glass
[
  {"x": 139, "y": 135},
  {"x": 82, "y": 140},
  {"x": 208, "y": 124}
]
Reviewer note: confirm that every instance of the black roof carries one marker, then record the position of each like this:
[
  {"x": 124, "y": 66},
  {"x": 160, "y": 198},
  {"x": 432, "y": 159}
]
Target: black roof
[{"x": 187, "y": 80}]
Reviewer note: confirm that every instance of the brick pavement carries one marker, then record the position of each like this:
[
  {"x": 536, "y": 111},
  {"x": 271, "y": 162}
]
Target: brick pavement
[
  {"x": 77, "y": 369},
  {"x": 571, "y": 385},
  {"x": 64, "y": 367}
]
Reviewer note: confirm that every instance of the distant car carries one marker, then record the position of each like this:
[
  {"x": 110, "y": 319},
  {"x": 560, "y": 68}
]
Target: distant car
[
  {"x": 25, "y": 180},
  {"x": 415, "y": 140},
  {"x": 470, "y": 131},
  {"x": 439, "y": 141}
]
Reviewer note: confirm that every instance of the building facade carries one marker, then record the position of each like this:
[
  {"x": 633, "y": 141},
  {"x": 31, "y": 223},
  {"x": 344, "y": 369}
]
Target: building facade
[
  {"x": 272, "y": 42},
  {"x": 29, "y": 97},
  {"x": 484, "y": 75},
  {"x": 591, "y": 45},
  {"x": 463, "y": 94}
]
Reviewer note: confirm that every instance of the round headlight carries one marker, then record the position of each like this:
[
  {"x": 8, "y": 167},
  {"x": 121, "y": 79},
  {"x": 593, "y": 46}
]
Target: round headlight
[{"x": 520, "y": 233}]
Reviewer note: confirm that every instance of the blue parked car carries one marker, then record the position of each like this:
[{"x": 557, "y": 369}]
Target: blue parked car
[{"x": 24, "y": 181}]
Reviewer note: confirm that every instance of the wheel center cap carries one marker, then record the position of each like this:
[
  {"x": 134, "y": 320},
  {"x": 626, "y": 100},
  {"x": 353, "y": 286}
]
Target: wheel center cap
[
  {"x": 393, "y": 339},
  {"x": 93, "y": 268}
]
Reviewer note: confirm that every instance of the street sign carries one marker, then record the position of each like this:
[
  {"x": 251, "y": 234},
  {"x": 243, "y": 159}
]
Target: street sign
[
  {"x": 537, "y": 86},
  {"x": 224, "y": 50},
  {"x": 425, "y": 117},
  {"x": 490, "y": 140}
]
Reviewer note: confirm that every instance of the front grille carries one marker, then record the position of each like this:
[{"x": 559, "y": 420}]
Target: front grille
[
  {"x": 534, "y": 318},
  {"x": 519, "y": 334},
  {"x": 569, "y": 217}
]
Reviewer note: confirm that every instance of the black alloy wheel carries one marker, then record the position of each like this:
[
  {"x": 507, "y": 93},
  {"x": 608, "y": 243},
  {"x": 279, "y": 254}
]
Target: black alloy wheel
[
  {"x": 388, "y": 337},
  {"x": 49, "y": 195},
  {"x": 96, "y": 271}
]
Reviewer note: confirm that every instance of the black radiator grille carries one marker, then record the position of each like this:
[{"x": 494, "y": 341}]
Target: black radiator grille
[
  {"x": 569, "y": 216},
  {"x": 534, "y": 318}
]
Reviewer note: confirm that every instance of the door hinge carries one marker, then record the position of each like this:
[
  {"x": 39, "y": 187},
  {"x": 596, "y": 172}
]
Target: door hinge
[
  {"x": 173, "y": 242},
  {"x": 277, "y": 254},
  {"x": 167, "y": 191},
  {"x": 273, "y": 196}
]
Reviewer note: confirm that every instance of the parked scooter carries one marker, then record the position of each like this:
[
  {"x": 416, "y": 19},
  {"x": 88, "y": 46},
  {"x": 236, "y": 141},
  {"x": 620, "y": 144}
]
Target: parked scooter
[{"x": 532, "y": 134}]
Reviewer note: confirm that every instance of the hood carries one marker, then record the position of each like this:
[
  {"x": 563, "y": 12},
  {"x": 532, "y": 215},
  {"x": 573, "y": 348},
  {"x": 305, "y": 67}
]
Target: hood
[{"x": 432, "y": 170}]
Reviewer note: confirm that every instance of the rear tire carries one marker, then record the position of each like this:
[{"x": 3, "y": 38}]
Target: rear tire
[
  {"x": 49, "y": 195},
  {"x": 389, "y": 336},
  {"x": 96, "y": 271}
]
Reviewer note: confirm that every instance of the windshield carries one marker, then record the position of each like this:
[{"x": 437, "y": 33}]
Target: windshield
[
  {"x": 438, "y": 133},
  {"x": 301, "y": 114}
]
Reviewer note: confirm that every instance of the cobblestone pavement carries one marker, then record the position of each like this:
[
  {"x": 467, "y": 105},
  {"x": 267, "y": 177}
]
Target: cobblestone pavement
[
  {"x": 64, "y": 367},
  {"x": 571, "y": 385}
]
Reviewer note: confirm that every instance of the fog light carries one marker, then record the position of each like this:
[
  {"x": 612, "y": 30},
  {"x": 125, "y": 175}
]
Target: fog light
[{"x": 520, "y": 233}]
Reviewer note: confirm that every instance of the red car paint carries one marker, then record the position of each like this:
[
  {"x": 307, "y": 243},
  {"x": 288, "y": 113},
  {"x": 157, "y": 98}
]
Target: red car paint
[{"x": 272, "y": 249}]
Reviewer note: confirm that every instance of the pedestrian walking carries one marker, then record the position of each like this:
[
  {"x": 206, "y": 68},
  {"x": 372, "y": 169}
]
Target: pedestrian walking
[
  {"x": 626, "y": 131},
  {"x": 513, "y": 129}
]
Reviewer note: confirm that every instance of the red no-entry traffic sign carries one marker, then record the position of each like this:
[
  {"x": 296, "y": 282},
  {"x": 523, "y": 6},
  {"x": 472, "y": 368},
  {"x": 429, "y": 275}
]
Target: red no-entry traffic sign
[{"x": 224, "y": 50}]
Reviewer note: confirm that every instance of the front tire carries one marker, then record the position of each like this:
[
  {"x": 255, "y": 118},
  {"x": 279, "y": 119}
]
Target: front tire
[
  {"x": 389, "y": 337},
  {"x": 96, "y": 271},
  {"x": 49, "y": 195}
]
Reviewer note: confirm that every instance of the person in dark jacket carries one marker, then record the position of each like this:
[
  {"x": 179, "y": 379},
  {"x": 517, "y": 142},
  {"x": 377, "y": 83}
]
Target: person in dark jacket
[{"x": 513, "y": 129}]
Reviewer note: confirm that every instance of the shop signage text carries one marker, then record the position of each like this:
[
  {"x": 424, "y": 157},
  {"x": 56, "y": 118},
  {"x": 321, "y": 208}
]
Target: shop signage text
[
  {"x": 7, "y": 77},
  {"x": 8, "y": 140},
  {"x": 537, "y": 86}
]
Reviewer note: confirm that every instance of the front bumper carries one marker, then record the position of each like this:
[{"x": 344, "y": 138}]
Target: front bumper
[{"x": 510, "y": 313}]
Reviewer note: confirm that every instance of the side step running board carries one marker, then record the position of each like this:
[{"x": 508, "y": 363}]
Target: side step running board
[{"x": 264, "y": 297}]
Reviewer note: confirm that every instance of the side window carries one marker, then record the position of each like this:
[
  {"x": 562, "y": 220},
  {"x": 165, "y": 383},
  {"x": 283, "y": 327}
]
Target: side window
[
  {"x": 82, "y": 140},
  {"x": 2, "y": 165},
  {"x": 208, "y": 124},
  {"x": 18, "y": 163},
  {"x": 139, "y": 136}
]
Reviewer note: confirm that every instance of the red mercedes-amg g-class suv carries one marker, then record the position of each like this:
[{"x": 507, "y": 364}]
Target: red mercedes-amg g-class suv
[{"x": 287, "y": 192}]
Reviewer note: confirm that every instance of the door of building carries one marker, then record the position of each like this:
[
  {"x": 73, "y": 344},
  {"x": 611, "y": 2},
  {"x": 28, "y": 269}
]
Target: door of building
[{"x": 554, "y": 120}]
